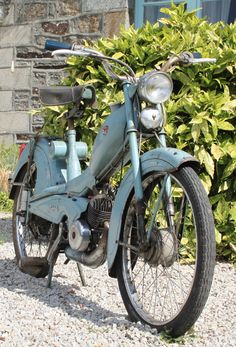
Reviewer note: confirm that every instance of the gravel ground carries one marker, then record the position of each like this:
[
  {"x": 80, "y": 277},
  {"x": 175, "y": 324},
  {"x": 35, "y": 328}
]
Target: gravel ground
[{"x": 72, "y": 315}]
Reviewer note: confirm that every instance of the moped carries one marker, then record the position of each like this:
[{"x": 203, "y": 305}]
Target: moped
[{"x": 155, "y": 227}]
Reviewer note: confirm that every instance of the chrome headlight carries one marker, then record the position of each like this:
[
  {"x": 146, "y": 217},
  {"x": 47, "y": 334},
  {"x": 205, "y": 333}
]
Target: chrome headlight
[
  {"x": 155, "y": 87},
  {"x": 152, "y": 118}
]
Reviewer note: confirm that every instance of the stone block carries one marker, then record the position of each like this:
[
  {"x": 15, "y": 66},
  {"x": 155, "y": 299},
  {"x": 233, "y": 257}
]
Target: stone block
[
  {"x": 60, "y": 28},
  {"x": 8, "y": 13},
  {"x": 7, "y": 139},
  {"x": 37, "y": 119},
  {"x": 54, "y": 78},
  {"x": 35, "y": 102},
  {"x": 6, "y": 55},
  {"x": 98, "y": 5},
  {"x": 112, "y": 22},
  {"x": 14, "y": 122},
  {"x": 5, "y": 101},
  {"x": 52, "y": 11},
  {"x": 21, "y": 100},
  {"x": 19, "y": 79},
  {"x": 31, "y": 11},
  {"x": 69, "y": 7},
  {"x": 87, "y": 24},
  {"x": 39, "y": 78},
  {"x": 47, "y": 64},
  {"x": 78, "y": 39},
  {"x": 31, "y": 53},
  {"x": 15, "y": 35}
]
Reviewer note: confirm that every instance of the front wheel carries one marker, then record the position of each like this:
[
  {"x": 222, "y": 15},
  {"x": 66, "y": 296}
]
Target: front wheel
[{"x": 166, "y": 284}]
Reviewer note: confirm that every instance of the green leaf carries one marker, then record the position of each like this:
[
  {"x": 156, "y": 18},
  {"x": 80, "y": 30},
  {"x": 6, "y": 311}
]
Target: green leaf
[
  {"x": 233, "y": 247},
  {"x": 222, "y": 210},
  {"x": 233, "y": 211},
  {"x": 182, "y": 129},
  {"x": 195, "y": 131},
  {"x": 231, "y": 149},
  {"x": 184, "y": 241},
  {"x": 209, "y": 164},
  {"x": 230, "y": 168},
  {"x": 183, "y": 77},
  {"x": 199, "y": 118},
  {"x": 218, "y": 236},
  {"x": 207, "y": 160},
  {"x": 91, "y": 69},
  {"x": 216, "y": 151},
  {"x": 225, "y": 125},
  {"x": 118, "y": 55},
  {"x": 206, "y": 181},
  {"x": 214, "y": 127}
]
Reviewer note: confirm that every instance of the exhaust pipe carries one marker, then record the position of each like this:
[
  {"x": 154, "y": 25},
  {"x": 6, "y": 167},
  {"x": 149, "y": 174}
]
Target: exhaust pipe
[{"x": 93, "y": 259}]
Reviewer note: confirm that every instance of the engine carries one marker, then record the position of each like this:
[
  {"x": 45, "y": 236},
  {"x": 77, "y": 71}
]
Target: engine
[{"x": 86, "y": 233}]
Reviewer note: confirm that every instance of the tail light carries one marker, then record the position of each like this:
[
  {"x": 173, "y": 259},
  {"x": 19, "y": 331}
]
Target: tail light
[{"x": 22, "y": 147}]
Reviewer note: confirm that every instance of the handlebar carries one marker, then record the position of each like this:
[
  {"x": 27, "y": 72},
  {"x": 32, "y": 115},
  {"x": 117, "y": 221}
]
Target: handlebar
[
  {"x": 186, "y": 58},
  {"x": 62, "y": 48}
]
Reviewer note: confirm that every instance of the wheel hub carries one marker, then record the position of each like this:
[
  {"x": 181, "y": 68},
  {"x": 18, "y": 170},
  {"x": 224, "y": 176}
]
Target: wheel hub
[{"x": 162, "y": 250}]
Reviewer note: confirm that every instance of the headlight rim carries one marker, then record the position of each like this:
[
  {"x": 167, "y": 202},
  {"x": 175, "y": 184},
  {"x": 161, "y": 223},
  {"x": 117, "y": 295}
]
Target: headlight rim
[{"x": 143, "y": 83}]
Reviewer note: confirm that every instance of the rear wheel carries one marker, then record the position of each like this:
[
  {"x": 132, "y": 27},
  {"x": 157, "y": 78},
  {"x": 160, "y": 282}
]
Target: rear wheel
[
  {"x": 166, "y": 284},
  {"x": 32, "y": 235}
]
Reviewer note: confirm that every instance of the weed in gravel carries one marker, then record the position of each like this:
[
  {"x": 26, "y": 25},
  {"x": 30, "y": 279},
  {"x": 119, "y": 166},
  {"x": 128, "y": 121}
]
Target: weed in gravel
[{"x": 181, "y": 340}]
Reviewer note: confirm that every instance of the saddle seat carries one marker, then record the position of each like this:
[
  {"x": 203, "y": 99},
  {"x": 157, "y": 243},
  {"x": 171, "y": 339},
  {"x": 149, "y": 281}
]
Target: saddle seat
[{"x": 55, "y": 96}]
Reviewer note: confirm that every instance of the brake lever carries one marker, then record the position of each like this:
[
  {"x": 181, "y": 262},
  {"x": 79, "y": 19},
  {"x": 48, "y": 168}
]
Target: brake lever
[{"x": 194, "y": 58}]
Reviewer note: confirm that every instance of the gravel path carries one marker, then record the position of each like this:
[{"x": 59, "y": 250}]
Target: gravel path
[{"x": 72, "y": 315}]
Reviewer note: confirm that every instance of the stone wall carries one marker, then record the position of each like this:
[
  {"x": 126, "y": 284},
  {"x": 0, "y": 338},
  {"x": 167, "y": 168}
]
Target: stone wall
[{"x": 25, "y": 66}]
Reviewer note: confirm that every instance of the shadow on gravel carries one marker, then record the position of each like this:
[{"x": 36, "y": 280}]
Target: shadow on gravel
[
  {"x": 5, "y": 228},
  {"x": 60, "y": 296}
]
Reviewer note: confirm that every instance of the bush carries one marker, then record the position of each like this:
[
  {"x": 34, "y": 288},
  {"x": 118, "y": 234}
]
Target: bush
[
  {"x": 8, "y": 160},
  {"x": 201, "y": 112},
  {"x": 6, "y": 204}
]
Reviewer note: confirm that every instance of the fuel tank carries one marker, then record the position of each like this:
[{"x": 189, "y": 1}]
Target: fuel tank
[{"x": 109, "y": 142}]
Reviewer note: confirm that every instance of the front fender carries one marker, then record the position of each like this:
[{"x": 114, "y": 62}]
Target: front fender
[
  {"x": 159, "y": 160},
  {"x": 50, "y": 171}
]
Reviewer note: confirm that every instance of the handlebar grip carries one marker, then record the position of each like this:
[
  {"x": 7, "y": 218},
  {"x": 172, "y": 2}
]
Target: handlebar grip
[
  {"x": 54, "y": 45},
  {"x": 197, "y": 55}
]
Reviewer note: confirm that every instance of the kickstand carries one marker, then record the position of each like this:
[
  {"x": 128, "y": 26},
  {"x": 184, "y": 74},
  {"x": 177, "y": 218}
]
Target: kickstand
[
  {"x": 50, "y": 272},
  {"x": 49, "y": 279},
  {"x": 81, "y": 273}
]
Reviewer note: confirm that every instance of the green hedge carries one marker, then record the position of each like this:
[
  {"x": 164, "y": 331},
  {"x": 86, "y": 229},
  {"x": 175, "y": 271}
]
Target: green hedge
[{"x": 201, "y": 112}]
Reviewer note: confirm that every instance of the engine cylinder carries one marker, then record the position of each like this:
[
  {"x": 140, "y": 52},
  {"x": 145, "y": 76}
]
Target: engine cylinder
[{"x": 99, "y": 211}]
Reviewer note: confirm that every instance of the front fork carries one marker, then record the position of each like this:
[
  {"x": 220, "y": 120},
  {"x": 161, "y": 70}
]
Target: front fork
[
  {"x": 168, "y": 191},
  {"x": 143, "y": 235},
  {"x": 135, "y": 161}
]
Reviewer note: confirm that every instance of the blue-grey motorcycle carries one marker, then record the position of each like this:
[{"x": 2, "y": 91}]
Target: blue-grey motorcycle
[{"x": 155, "y": 228}]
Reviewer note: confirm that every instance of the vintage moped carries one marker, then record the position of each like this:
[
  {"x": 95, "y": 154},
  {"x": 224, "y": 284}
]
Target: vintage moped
[{"x": 155, "y": 227}]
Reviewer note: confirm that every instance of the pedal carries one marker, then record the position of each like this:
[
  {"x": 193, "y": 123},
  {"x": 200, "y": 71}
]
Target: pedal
[{"x": 34, "y": 266}]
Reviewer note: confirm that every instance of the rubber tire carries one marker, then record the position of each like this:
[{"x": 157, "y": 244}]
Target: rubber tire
[{"x": 205, "y": 264}]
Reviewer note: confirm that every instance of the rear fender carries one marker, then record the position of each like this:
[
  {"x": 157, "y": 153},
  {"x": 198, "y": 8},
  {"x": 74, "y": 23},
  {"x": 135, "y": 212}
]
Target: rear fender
[
  {"x": 50, "y": 171},
  {"x": 159, "y": 160}
]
